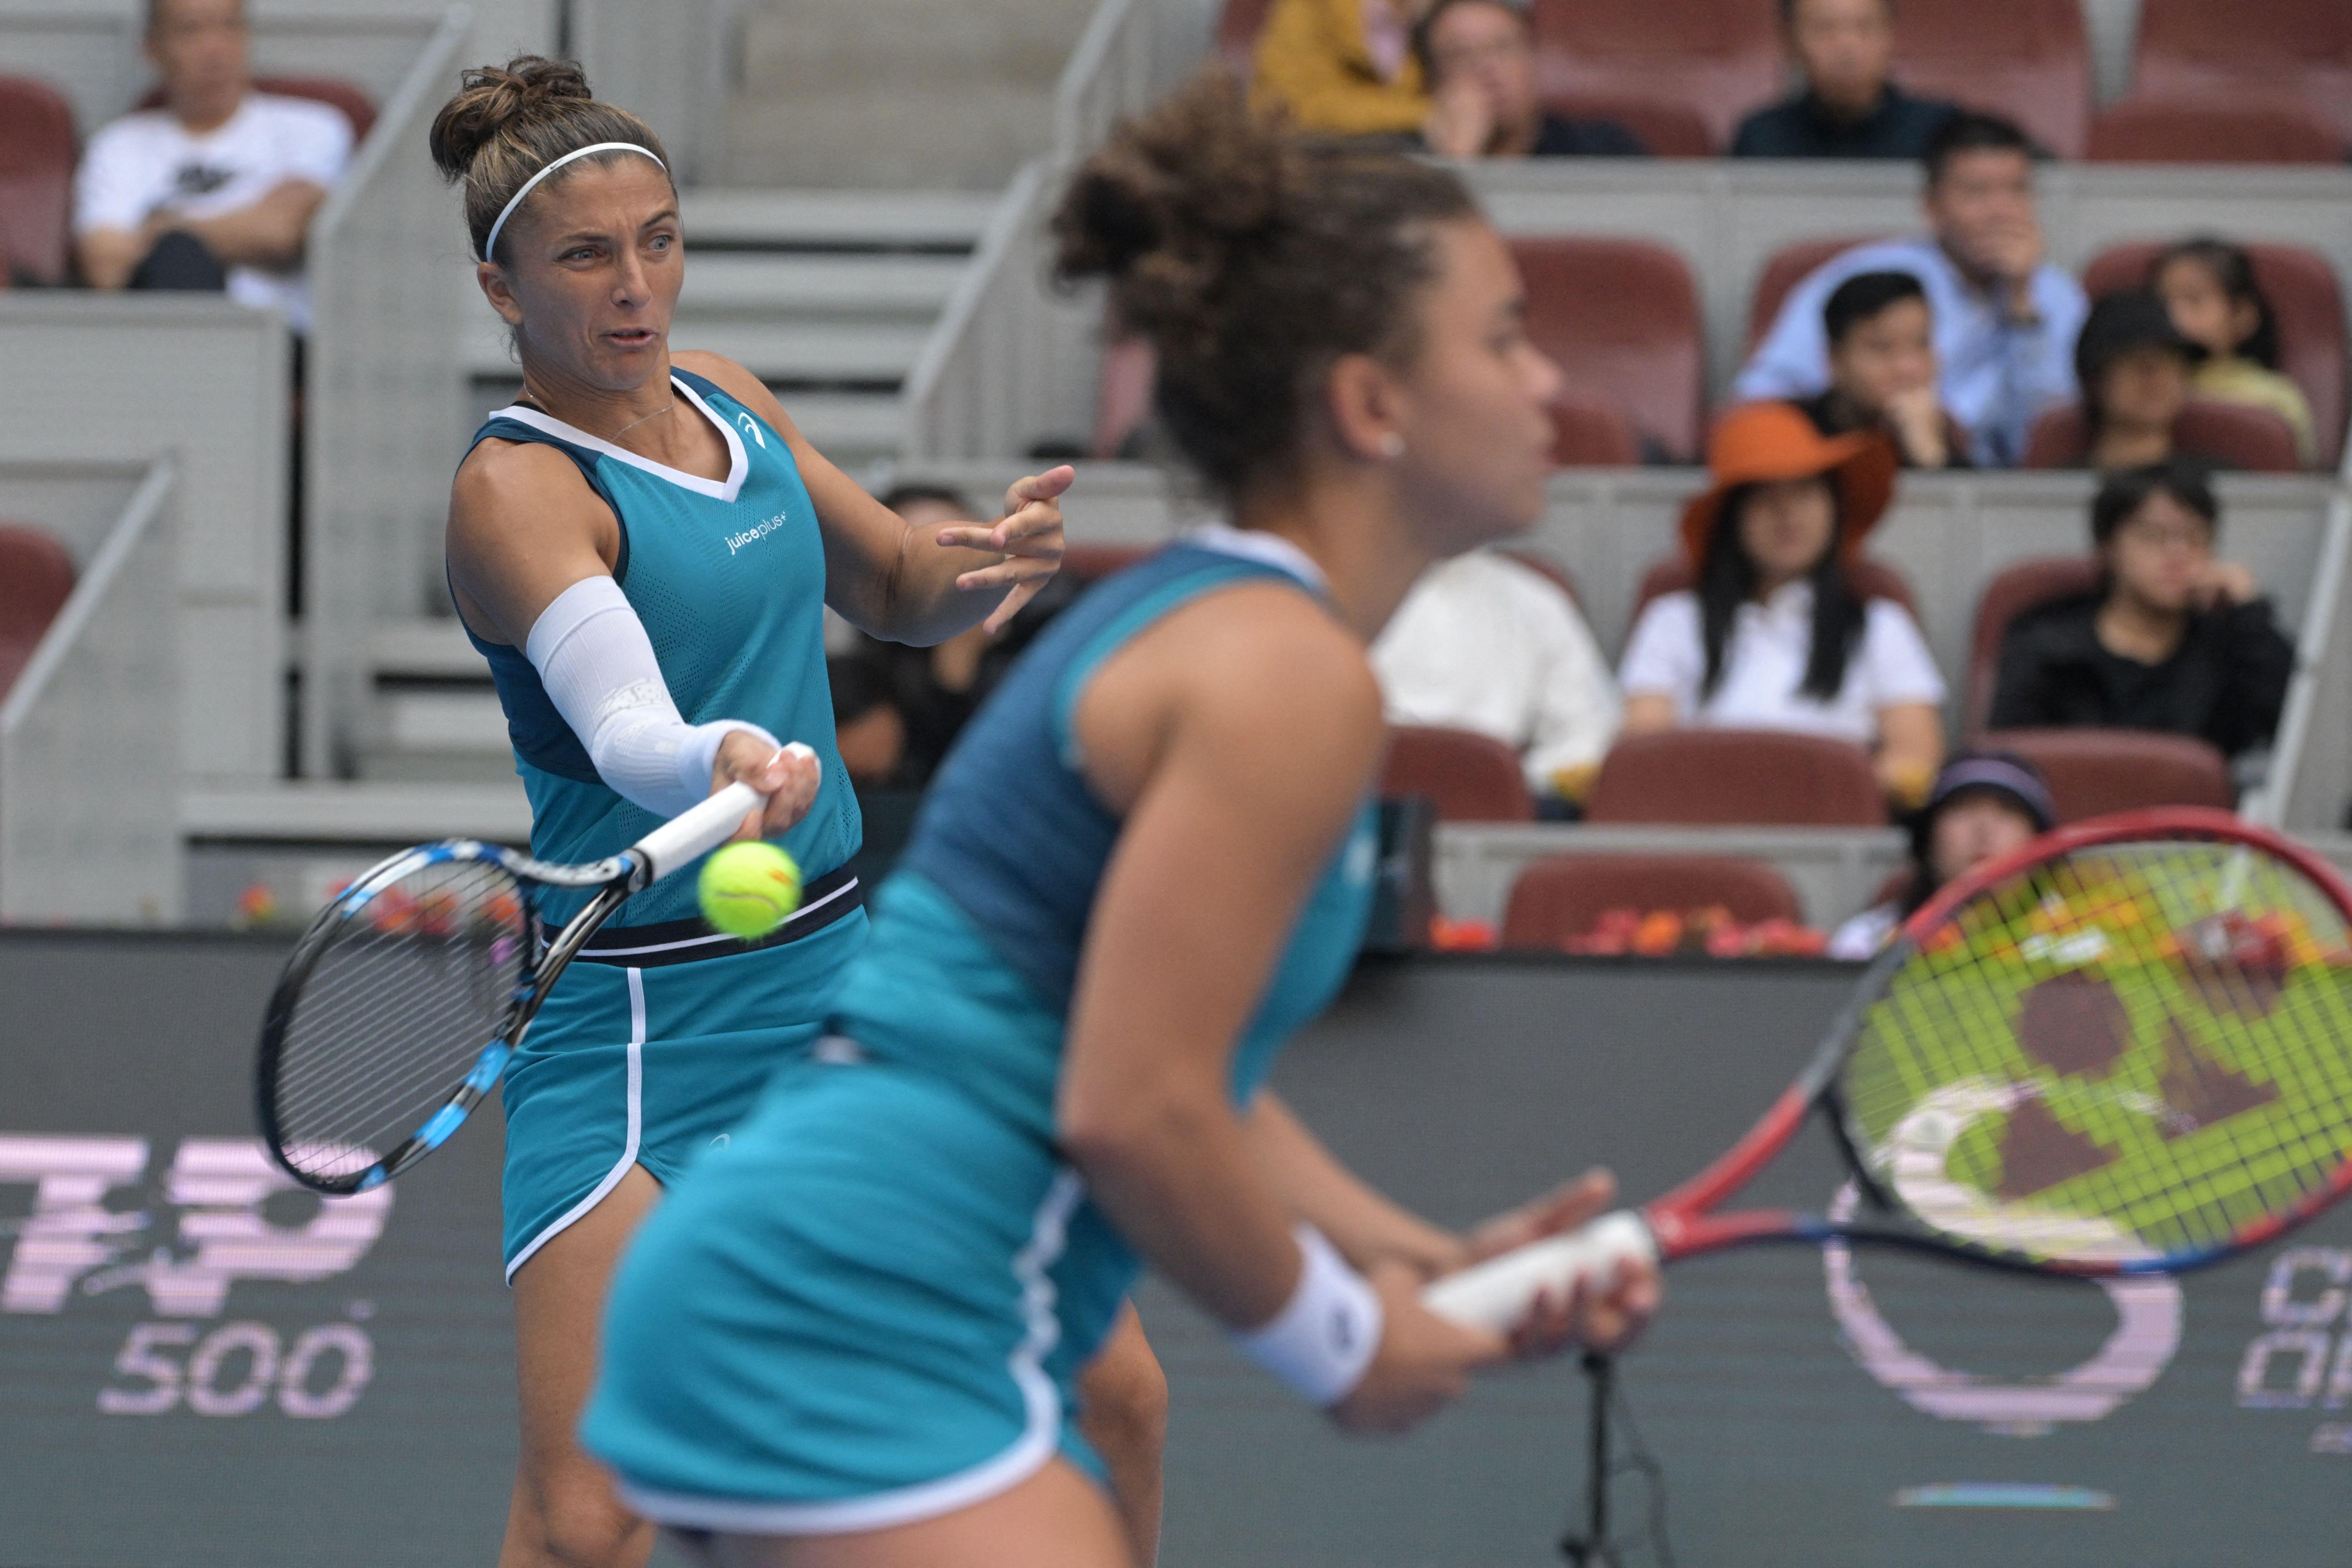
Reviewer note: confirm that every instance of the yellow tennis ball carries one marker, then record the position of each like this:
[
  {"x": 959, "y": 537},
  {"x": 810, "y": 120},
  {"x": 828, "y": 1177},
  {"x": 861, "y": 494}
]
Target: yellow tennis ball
[{"x": 748, "y": 888}]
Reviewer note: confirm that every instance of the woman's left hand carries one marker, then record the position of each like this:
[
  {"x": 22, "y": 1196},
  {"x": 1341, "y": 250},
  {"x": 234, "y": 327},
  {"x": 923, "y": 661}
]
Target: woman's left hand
[
  {"x": 1029, "y": 534},
  {"x": 1605, "y": 1317}
]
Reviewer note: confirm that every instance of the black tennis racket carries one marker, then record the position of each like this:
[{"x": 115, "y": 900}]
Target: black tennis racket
[
  {"x": 2125, "y": 1050},
  {"x": 402, "y": 1002}
]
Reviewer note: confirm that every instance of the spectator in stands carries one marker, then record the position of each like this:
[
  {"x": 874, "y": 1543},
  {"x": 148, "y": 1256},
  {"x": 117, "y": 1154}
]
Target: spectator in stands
[
  {"x": 2172, "y": 640},
  {"x": 1489, "y": 644},
  {"x": 2005, "y": 318},
  {"x": 1985, "y": 805},
  {"x": 2209, "y": 286},
  {"x": 1478, "y": 58},
  {"x": 1850, "y": 108},
  {"x": 1343, "y": 67},
  {"x": 215, "y": 190},
  {"x": 1775, "y": 637},
  {"x": 2133, "y": 368},
  {"x": 1882, "y": 338},
  {"x": 868, "y": 730}
]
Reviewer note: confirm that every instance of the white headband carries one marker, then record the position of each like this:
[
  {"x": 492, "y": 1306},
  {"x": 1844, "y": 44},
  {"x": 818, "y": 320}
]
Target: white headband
[{"x": 489, "y": 251}]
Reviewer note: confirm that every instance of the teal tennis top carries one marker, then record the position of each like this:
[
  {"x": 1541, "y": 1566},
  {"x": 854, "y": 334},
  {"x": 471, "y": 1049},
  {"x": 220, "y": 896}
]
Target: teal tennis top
[{"x": 727, "y": 576}]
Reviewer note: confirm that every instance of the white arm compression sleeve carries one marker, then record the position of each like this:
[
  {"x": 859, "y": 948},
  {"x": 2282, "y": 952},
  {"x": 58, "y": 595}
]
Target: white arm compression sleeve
[{"x": 597, "y": 663}]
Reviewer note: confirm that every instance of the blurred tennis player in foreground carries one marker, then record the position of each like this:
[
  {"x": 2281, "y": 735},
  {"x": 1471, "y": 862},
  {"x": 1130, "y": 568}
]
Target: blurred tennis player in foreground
[{"x": 853, "y": 1335}]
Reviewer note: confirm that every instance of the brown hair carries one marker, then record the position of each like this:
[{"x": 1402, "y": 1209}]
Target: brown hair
[
  {"x": 1252, "y": 260},
  {"x": 508, "y": 123}
]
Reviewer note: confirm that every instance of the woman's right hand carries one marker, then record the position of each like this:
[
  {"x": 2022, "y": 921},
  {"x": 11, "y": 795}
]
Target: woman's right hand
[
  {"x": 789, "y": 778},
  {"x": 1423, "y": 1363}
]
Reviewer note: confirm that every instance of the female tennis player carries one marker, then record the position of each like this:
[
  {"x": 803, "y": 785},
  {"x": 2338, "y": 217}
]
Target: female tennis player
[
  {"x": 852, "y": 1336},
  {"x": 642, "y": 547}
]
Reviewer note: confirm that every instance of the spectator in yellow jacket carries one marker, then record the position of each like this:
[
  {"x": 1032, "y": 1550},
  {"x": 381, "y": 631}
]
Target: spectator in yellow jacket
[{"x": 1343, "y": 67}]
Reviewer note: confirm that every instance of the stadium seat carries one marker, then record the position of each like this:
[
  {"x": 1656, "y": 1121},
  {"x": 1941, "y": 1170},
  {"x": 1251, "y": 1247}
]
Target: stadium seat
[
  {"x": 36, "y": 577},
  {"x": 2295, "y": 51},
  {"x": 1622, "y": 318},
  {"x": 36, "y": 165},
  {"x": 1718, "y": 57},
  {"x": 2025, "y": 59},
  {"x": 356, "y": 106},
  {"x": 2230, "y": 434},
  {"x": 1587, "y": 433},
  {"x": 1237, "y": 29},
  {"x": 1667, "y": 129},
  {"x": 1876, "y": 580},
  {"x": 1564, "y": 896},
  {"x": 2301, "y": 285},
  {"x": 2010, "y": 594},
  {"x": 2187, "y": 130},
  {"x": 1123, "y": 394},
  {"x": 1467, "y": 777},
  {"x": 2091, "y": 773},
  {"x": 1789, "y": 266},
  {"x": 1726, "y": 777}
]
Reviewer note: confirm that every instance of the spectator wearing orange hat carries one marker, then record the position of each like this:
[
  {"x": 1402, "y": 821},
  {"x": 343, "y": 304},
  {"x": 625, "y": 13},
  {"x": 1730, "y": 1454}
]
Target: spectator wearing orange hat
[{"x": 1775, "y": 635}]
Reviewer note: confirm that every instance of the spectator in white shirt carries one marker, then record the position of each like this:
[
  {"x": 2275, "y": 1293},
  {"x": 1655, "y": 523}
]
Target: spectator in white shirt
[
  {"x": 1985, "y": 805},
  {"x": 216, "y": 189},
  {"x": 1489, "y": 644},
  {"x": 1775, "y": 637}
]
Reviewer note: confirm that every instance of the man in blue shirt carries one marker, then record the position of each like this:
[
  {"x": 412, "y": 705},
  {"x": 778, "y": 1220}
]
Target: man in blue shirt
[
  {"x": 1849, "y": 108},
  {"x": 2006, "y": 318}
]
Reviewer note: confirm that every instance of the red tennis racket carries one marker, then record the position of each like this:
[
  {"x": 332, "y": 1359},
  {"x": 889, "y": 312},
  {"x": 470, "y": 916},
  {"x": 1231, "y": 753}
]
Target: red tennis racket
[{"x": 2125, "y": 1050}]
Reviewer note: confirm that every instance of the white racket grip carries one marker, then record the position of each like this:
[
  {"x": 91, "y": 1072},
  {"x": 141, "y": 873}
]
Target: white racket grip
[
  {"x": 1495, "y": 1295},
  {"x": 697, "y": 830}
]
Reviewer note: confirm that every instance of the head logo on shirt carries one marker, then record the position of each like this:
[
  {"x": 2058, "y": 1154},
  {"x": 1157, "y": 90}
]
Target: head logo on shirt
[
  {"x": 198, "y": 180},
  {"x": 751, "y": 428}
]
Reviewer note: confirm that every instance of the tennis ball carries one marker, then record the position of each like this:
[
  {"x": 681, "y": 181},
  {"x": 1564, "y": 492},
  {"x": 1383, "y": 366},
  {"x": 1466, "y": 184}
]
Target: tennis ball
[{"x": 748, "y": 888}]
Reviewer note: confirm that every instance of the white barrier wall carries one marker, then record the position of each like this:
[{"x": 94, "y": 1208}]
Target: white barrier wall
[
  {"x": 672, "y": 63},
  {"x": 99, "y": 378},
  {"x": 90, "y": 826}
]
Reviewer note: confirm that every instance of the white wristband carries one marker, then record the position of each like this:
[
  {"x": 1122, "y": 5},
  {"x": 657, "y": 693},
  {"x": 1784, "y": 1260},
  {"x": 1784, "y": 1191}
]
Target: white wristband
[{"x": 1323, "y": 1337}]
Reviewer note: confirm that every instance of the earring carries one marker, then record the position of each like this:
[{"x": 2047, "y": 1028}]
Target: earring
[{"x": 1392, "y": 445}]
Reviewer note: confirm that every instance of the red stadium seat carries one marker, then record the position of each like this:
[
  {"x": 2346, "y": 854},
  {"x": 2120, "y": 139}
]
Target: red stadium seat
[
  {"x": 2279, "y": 51},
  {"x": 1467, "y": 777},
  {"x": 1564, "y": 896},
  {"x": 1668, "y": 128},
  {"x": 1789, "y": 266},
  {"x": 2091, "y": 773},
  {"x": 2027, "y": 60},
  {"x": 1237, "y": 29},
  {"x": 1587, "y": 433},
  {"x": 2301, "y": 285},
  {"x": 36, "y": 165},
  {"x": 2010, "y": 594},
  {"x": 1622, "y": 318},
  {"x": 1753, "y": 777},
  {"x": 1718, "y": 57},
  {"x": 36, "y": 577},
  {"x": 2231, "y": 433},
  {"x": 356, "y": 106},
  {"x": 1874, "y": 579},
  {"x": 2187, "y": 130}
]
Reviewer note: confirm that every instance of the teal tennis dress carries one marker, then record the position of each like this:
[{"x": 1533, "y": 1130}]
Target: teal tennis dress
[
  {"x": 873, "y": 1305},
  {"x": 658, "y": 1037}
]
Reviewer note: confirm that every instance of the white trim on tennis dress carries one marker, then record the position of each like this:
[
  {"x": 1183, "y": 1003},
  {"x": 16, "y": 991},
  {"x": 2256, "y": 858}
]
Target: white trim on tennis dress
[
  {"x": 636, "y": 1127},
  {"x": 738, "y": 464},
  {"x": 686, "y": 941},
  {"x": 1040, "y": 1439}
]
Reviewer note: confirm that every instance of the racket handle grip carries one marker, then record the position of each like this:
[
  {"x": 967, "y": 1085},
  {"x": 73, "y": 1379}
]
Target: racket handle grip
[
  {"x": 696, "y": 831},
  {"x": 1495, "y": 1295}
]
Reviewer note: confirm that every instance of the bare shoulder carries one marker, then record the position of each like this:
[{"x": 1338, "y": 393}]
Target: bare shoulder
[{"x": 1264, "y": 651}]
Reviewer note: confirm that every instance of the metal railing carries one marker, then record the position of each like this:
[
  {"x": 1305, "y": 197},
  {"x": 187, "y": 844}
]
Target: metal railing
[
  {"x": 89, "y": 825},
  {"x": 2310, "y": 780},
  {"x": 384, "y": 399}
]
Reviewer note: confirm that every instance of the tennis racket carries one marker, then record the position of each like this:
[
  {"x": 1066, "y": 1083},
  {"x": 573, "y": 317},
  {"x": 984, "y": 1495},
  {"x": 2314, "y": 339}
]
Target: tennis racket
[
  {"x": 2125, "y": 1050},
  {"x": 401, "y": 1004}
]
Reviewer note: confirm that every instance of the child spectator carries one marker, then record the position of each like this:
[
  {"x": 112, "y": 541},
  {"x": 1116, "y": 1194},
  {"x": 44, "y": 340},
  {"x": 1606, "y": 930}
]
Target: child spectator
[
  {"x": 1883, "y": 371},
  {"x": 2172, "y": 640},
  {"x": 216, "y": 189},
  {"x": 1486, "y": 643},
  {"x": 2006, "y": 318},
  {"x": 1849, "y": 108},
  {"x": 1775, "y": 637},
  {"x": 2209, "y": 286},
  {"x": 1345, "y": 67},
  {"x": 2133, "y": 369},
  {"x": 1985, "y": 805},
  {"x": 1478, "y": 58}
]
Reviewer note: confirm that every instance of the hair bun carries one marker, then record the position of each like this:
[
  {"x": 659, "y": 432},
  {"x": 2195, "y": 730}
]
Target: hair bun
[{"x": 493, "y": 99}]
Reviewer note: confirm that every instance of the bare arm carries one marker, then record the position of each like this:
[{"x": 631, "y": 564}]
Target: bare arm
[
  {"x": 909, "y": 584},
  {"x": 269, "y": 234},
  {"x": 1648, "y": 712},
  {"x": 1910, "y": 750},
  {"x": 109, "y": 256},
  {"x": 1364, "y": 1226}
]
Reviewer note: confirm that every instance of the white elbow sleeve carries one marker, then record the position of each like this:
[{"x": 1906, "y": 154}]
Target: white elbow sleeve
[{"x": 597, "y": 663}]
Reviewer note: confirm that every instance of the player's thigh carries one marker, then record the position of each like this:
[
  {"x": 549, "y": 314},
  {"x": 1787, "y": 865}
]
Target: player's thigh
[
  {"x": 1123, "y": 1392},
  {"x": 558, "y": 1300},
  {"x": 1056, "y": 1519}
]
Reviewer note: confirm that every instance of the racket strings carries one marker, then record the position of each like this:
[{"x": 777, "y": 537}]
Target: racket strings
[
  {"x": 2132, "y": 1052},
  {"x": 416, "y": 978}
]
